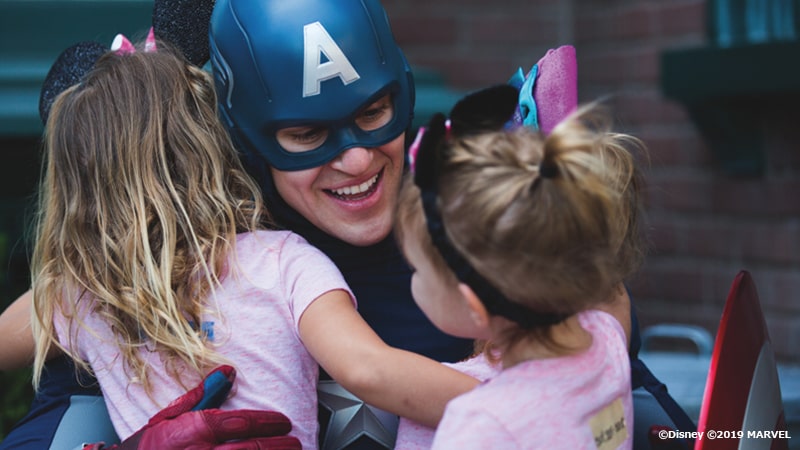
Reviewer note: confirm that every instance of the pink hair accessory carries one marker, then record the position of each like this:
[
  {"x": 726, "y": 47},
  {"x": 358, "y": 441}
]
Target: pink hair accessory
[
  {"x": 150, "y": 42},
  {"x": 556, "y": 88},
  {"x": 122, "y": 46},
  {"x": 413, "y": 150}
]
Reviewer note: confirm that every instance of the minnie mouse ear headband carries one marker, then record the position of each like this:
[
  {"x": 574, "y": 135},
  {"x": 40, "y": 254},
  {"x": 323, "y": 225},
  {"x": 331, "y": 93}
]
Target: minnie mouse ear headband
[
  {"x": 545, "y": 97},
  {"x": 549, "y": 93},
  {"x": 76, "y": 61},
  {"x": 184, "y": 24},
  {"x": 68, "y": 69}
]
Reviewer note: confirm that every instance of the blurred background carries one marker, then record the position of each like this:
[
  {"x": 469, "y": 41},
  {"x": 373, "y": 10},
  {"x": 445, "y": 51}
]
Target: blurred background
[{"x": 711, "y": 86}]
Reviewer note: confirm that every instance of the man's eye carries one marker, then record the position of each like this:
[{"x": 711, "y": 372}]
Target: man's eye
[
  {"x": 301, "y": 139},
  {"x": 307, "y": 136},
  {"x": 376, "y": 115}
]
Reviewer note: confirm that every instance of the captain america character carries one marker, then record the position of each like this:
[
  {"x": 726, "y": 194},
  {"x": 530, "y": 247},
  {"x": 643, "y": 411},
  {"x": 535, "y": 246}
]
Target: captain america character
[{"x": 319, "y": 98}]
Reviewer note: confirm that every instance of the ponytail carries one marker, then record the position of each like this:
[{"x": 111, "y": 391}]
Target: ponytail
[{"x": 551, "y": 221}]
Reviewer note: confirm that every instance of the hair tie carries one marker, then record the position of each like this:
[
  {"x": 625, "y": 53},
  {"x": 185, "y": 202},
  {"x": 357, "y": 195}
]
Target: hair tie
[{"x": 548, "y": 170}]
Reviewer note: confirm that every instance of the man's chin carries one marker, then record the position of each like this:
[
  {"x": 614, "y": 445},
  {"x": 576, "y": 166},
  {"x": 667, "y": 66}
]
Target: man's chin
[
  {"x": 363, "y": 236},
  {"x": 360, "y": 241}
]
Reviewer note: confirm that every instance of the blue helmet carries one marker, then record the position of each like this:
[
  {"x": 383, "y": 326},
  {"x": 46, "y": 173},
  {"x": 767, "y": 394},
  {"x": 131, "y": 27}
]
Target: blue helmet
[{"x": 280, "y": 64}]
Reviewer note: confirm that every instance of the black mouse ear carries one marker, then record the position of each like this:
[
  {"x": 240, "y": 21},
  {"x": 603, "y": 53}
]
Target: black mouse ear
[
  {"x": 485, "y": 110},
  {"x": 184, "y": 24},
  {"x": 68, "y": 69},
  {"x": 427, "y": 151}
]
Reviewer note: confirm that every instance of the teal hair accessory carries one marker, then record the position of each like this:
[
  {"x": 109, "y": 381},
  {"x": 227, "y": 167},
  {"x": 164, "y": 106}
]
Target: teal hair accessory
[
  {"x": 549, "y": 92},
  {"x": 527, "y": 104}
]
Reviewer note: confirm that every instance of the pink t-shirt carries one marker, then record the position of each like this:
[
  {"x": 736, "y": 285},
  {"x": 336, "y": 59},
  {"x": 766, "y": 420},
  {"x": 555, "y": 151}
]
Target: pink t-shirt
[
  {"x": 279, "y": 275},
  {"x": 577, "y": 402},
  {"x": 415, "y": 436}
]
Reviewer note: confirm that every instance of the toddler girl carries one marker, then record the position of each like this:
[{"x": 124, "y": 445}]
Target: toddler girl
[{"x": 523, "y": 240}]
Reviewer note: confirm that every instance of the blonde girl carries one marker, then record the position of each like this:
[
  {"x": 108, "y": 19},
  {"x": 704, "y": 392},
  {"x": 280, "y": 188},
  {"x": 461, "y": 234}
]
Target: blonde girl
[{"x": 151, "y": 264}]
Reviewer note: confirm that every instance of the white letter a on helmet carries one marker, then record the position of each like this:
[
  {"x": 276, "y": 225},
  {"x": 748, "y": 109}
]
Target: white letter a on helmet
[{"x": 316, "y": 42}]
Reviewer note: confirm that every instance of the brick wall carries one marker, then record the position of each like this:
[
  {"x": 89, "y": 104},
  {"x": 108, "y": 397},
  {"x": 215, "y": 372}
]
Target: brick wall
[{"x": 705, "y": 225}]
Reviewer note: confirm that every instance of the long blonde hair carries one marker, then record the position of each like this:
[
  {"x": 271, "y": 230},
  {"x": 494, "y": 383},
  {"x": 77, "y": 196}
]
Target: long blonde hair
[
  {"x": 141, "y": 198},
  {"x": 551, "y": 221}
]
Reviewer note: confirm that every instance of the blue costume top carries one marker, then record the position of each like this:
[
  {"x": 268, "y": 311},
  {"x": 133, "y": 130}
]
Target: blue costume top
[{"x": 58, "y": 384}]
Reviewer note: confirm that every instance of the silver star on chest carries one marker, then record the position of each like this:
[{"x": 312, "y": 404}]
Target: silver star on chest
[{"x": 352, "y": 419}]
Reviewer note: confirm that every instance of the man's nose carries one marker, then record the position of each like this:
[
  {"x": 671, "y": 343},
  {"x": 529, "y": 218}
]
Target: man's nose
[{"x": 353, "y": 161}]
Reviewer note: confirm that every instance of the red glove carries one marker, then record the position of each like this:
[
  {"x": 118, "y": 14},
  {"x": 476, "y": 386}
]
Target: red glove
[{"x": 180, "y": 426}]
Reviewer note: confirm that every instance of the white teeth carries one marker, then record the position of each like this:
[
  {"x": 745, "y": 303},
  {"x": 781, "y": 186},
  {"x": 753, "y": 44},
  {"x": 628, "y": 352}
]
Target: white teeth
[{"x": 357, "y": 189}]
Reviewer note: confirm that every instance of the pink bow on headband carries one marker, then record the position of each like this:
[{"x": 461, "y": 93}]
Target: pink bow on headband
[
  {"x": 122, "y": 46},
  {"x": 414, "y": 148}
]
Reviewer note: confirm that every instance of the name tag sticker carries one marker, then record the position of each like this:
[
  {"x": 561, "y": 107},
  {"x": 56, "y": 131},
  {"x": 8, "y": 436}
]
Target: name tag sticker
[{"x": 608, "y": 426}]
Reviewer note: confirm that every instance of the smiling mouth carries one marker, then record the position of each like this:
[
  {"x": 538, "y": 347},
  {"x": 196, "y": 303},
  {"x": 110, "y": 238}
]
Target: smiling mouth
[{"x": 358, "y": 191}]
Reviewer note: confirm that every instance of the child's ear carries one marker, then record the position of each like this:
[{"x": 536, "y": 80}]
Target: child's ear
[{"x": 477, "y": 311}]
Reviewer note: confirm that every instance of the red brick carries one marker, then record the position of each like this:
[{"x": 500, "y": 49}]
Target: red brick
[
  {"x": 474, "y": 73},
  {"x": 664, "y": 236},
  {"x": 424, "y": 31},
  {"x": 643, "y": 65},
  {"x": 731, "y": 240},
  {"x": 681, "y": 193},
  {"x": 757, "y": 196},
  {"x": 713, "y": 240},
  {"x": 506, "y": 30},
  {"x": 642, "y": 106},
  {"x": 665, "y": 282},
  {"x": 621, "y": 65},
  {"x": 784, "y": 332},
  {"x": 681, "y": 17},
  {"x": 778, "y": 290},
  {"x": 607, "y": 67},
  {"x": 616, "y": 24},
  {"x": 670, "y": 147},
  {"x": 776, "y": 241}
]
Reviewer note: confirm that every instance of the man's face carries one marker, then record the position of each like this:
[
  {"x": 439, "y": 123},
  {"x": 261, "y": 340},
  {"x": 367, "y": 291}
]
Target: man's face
[{"x": 352, "y": 197}]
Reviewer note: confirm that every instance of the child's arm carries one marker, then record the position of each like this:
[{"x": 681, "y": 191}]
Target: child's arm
[
  {"x": 15, "y": 327},
  {"x": 398, "y": 381},
  {"x": 620, "y": 307}
]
